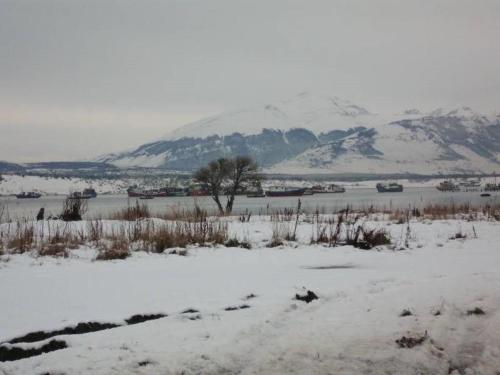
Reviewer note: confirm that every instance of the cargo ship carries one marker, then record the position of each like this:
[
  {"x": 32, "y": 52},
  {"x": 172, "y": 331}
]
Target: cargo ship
[
  {"x": 28, "y": 195},
  {"x": 255, "y": 191},
  {"x": 177, "y": 192},
  {"x": 135, "y": 192},
  {"x": 333, "y": 188},
  {"x": 448, "y": 185},
  {"x": 391, "y": 187},
  {"x": 90, "y": 192},
  {"x": 283, "y": 191},
  {"x": 470, "y": 185}
]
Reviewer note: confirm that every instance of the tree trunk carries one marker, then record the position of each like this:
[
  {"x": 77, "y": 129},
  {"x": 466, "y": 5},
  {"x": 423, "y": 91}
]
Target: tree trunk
[
  {"x": 215, "y": 197},
  {"x": 229, "y": 204}
]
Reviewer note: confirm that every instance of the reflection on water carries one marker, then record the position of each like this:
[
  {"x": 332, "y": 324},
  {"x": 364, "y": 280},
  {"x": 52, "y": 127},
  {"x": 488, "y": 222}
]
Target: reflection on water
[{"x": 357, "y": 198}]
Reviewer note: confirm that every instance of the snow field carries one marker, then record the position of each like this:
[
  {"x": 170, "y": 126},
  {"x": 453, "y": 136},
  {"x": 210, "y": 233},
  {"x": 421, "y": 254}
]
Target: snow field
[{"x": 351, "y": 329}]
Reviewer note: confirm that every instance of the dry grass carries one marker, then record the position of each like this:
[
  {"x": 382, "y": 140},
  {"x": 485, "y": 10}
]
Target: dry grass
[
  {"x": 284, "y": 223},
  {"x": 137, "y": 231},
  {"x": 148, "y": 235},
  {"x": 347, "y": 228},
  {"x": 3, "y": 213},
  {"x": 115, "y": 248},
  {"x": 45, "y": 239},
  {"x": 23, "y": 239},
  {"x": 197, "y": 213},
  {"x": 326, "y": 229},
  {"x": 283, "y": 215},
  {"x": 52, "y": 238},
  {"x": 73, "y": 209},
  {"x": 134, "y": 212},
  {"x": 176, "y": 213},
  {"x": 447, "y": 211},
  {"x": 282, "y": 231}
]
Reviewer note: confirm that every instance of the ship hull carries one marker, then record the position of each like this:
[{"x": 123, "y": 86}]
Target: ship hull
[
  {"x": 329, "y": 192},
  {"x": 134, "y": 194},
  {"x": 382, "y": 189},
  {"x": 286, "y": 193},
  {"x": 138, "y": 194},
  {"x": 26, "y": 197}
]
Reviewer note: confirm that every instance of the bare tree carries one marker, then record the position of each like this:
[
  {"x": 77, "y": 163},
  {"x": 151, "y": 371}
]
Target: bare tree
[
  {"x": 228, "y": 177},
  {"x": 214, "y": 176},
  {"x": 243, "y": 172}
]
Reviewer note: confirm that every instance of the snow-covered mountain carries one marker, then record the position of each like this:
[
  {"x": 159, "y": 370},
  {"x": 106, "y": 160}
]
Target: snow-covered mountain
[
  {"x": 318, "y": 134},
  {"x": 315, "y": 113}
]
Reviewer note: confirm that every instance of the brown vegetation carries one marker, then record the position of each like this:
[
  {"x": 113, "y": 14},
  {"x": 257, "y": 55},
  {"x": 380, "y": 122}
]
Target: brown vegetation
[
  {"x": 113, "y": 240},
  {"x": 74, "y": 208},
  {"x": 435, "y": 211},
  {"x": 131, "y": 213},
  {"x": 346, "y": 229}
]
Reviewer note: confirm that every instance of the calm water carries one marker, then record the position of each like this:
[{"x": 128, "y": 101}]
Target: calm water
[{"x": 358, "y": 198}]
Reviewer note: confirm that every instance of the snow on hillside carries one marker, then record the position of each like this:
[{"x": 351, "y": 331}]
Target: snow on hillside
[
  {"x": 14, "y": 184},
  {"x": 315, "y": 113},
  {"x": 352, "y": 328},
  {"x": 321, "y": 134},
  {"x": 419, "y": 149}
]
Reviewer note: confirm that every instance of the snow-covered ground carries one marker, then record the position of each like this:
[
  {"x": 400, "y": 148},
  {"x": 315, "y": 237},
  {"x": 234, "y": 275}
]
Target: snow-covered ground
[
  {"x": 350, "y": 329},
  {"x": 14, "y": 184}
]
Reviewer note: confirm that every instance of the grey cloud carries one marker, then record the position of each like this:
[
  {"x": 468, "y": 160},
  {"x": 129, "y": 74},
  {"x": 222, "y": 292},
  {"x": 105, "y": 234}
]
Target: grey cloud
[{"x": 162, "y": 58}]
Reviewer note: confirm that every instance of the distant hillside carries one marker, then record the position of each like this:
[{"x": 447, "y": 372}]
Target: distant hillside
[
  {"x": 6, "y": 167},
  {"x": 72, "y": 165},
  {"x": 316, "y": 134}
]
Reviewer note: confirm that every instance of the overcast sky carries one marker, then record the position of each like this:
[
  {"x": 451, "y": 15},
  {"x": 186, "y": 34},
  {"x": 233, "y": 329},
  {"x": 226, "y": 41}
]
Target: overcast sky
[{"x": 82, "y": 78}]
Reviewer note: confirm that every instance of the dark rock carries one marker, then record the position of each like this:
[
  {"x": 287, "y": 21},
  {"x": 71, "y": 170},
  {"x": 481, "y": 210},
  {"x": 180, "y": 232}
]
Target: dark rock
[
  {"x": 135, "y": 319},
  {"x": 476, "y": 311},
  {"x": 410, "y": 342},
  {"x": 405, "y": 312},
  {"x": 15, "y": 353},
  {"x": 308, "y": 297}
]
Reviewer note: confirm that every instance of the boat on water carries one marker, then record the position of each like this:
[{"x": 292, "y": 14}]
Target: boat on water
[
  {"x": 470, "y": 185},
  {"x": 448, "y": 185},
  {"x": 135, "y": 192},
  {"x": 28, "y": 195},
  {"x": 485, "y": 194},
  {"x": 308, "y": 191},
  {"x": 199, "y": 190},
  {"x": 176, "y": 192},
  {"x": 79, "y": 195},
  {"x": 255, "y": 191},
  {"x": 90, "y": 192},
  {"x": 85, "y": 194},
  {"x": 332, "y": 188},
  {"x": 283, "y": 191},
  {"x": 389, "y": 187},
  {"x": 492, "y": 187}
]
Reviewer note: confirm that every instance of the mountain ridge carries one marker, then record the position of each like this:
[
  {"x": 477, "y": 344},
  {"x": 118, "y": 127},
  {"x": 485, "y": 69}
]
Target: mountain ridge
[{"x": 321, "y": 134}]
